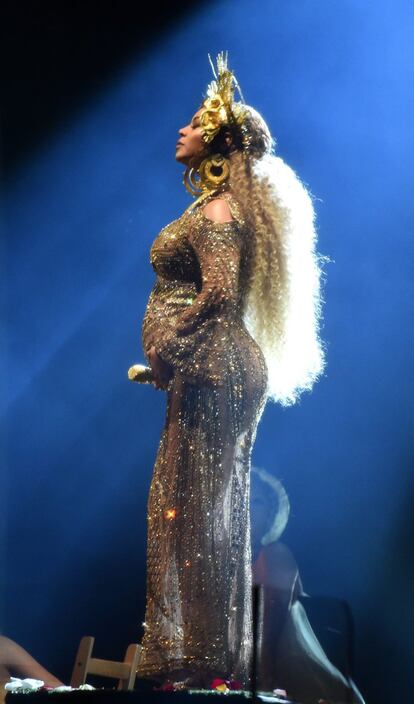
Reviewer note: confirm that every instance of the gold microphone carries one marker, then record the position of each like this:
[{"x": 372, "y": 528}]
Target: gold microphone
[{"x": 141, "y": 373}]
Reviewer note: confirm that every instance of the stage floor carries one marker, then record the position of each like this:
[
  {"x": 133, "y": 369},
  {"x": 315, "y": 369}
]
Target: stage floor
[{"x": 139, "y": 696}]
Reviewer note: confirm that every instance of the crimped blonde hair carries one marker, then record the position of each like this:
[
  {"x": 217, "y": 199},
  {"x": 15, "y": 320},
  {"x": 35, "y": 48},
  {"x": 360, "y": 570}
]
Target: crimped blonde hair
[{"x": 283, "y": 304}]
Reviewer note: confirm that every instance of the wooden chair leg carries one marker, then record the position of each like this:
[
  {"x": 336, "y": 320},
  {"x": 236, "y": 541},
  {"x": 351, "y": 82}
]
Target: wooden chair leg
[
  {"x": 132, "y": 656},
  {"x": 81, "y": 665}
]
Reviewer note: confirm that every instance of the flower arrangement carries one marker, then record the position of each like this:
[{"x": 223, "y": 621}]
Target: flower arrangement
[
  {"x": 15, "y": 684},
  {"x": 217, "y": 685}
]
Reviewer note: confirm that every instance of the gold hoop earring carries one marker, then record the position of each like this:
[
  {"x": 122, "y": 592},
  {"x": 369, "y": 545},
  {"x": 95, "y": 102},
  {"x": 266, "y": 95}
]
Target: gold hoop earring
[
  {"x": 191, "y": 180},
  {"x": 212, "y": 173}
]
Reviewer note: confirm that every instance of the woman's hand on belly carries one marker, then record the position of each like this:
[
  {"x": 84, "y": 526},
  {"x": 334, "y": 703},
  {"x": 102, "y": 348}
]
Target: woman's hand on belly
[{"x": 161, "y": 370}]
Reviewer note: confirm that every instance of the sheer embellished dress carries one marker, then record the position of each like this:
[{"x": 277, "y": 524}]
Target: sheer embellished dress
[{"x": 199, "y": 602}]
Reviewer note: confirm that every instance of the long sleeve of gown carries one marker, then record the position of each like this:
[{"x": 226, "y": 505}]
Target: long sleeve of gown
[{"x": 199, "y": 330}]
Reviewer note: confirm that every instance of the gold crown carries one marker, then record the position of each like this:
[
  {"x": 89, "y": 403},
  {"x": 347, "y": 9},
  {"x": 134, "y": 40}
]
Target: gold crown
[{"x": 220, "y": 108}]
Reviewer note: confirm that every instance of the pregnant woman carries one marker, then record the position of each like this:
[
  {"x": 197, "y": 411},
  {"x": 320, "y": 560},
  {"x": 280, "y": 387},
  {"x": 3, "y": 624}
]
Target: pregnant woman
[{"x": 232, "y": 321}]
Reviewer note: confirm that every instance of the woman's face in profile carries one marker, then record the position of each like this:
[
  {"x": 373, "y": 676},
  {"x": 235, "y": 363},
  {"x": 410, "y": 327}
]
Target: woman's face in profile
[{"x": 190, "y": 144}]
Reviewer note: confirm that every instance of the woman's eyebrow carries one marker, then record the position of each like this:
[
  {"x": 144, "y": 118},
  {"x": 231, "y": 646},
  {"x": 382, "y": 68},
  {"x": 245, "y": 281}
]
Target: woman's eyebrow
[{"x": 195, "y": 119}]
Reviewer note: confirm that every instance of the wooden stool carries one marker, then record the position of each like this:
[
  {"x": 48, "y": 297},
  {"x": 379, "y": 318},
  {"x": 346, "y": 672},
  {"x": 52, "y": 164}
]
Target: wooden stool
[{"x": 124, "y": 671}]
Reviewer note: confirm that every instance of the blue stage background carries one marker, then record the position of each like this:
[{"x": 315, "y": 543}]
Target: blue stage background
[{"x": 81, "y": 208}]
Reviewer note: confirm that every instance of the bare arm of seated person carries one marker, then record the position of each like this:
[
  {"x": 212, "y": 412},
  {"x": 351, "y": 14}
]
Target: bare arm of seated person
[{"x": 15, "y": 660}]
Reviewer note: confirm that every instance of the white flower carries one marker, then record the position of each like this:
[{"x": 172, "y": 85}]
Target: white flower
[{"x": 16, "y": 683}]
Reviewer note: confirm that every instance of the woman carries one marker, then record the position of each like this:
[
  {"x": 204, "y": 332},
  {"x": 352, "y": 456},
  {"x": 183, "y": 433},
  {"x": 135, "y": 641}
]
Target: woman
[{"x": 232, "y": 321}]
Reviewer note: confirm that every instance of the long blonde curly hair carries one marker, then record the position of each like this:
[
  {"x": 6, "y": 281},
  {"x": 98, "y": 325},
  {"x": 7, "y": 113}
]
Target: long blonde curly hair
[{"x": 283, "y": 304}]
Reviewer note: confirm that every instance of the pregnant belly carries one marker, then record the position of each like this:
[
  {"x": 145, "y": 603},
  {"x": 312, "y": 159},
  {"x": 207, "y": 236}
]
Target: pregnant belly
[
  {"x": 167, "y": 300},
  {"x": 221, "y": 351}
]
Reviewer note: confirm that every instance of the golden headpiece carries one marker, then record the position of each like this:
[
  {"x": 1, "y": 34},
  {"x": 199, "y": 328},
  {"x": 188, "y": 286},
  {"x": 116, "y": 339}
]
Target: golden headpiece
[{"x": 220, "y": 109}]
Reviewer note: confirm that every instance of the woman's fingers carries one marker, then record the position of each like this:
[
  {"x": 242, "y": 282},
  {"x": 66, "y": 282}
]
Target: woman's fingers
[
  {"x": 160, "y": 369},
  {"x": 160, "y": 382}
]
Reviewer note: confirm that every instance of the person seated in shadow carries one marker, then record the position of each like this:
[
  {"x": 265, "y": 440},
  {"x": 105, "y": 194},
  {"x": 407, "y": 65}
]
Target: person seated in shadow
[
  {"x": 15, "y": 661},
  {"x": 290, "y": 655}
]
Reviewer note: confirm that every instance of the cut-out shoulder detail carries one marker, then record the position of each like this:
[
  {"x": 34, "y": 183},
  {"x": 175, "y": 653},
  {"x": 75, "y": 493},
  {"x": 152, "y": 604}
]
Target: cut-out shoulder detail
[{"x": 218, "y": 210}]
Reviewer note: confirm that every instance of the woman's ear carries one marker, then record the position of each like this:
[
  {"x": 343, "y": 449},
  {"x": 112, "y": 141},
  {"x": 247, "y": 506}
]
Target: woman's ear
[{"x": 228, "y": 138}]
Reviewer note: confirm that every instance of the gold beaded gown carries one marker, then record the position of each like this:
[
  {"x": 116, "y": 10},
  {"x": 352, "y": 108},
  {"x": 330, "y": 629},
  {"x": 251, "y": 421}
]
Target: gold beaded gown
[{"x": 199, "y": 602}]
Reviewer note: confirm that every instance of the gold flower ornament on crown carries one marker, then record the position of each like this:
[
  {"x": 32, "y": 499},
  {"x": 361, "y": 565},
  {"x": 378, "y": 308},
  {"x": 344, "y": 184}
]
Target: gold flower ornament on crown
[{"x": 219, "y": 110}]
